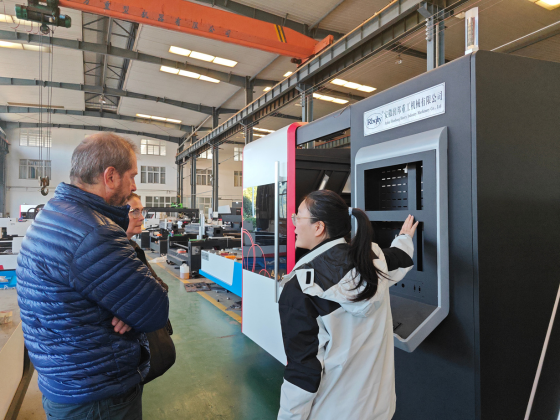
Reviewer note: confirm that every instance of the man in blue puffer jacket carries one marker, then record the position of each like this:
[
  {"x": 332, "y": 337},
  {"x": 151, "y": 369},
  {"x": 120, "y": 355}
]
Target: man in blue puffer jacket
[{"x": 85, "y": 299}]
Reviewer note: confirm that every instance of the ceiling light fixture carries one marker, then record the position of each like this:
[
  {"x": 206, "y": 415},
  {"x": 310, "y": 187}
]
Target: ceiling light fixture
[
  {"x": 203, "y": 57},
  {"x": 189, "y": 74},
  {"x": 209, "y": 79},
  {"x": 224, "y": 62},
  {"x": 13, "y": 19},
  {"x": 266, "y": 89},
  {"x": 263, "y": 130},
  {"x": 186, "y": 73},
  {"x": 152, "y": 117},
  {"x": 25, "y": 47},
  {"x": 329, "y": 99},
  {"x": 169, "y": 70},
  {"x": 289, "y": 73},
  {"x": 352, "y": 85},
  {"x": 12, "y": 45},
  {"x": 180, "y": 51},
  {"x": 35, "y": 105},
  {"x": 547, "y": 4}
]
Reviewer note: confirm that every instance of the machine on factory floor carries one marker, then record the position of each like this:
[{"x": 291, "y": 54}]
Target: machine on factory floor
[
  {"x": 191, "y": 252},
  {"x": 12, "y": 234},
  {"x": 276, "y": 175},
  {"x": 471, "y": 150}
]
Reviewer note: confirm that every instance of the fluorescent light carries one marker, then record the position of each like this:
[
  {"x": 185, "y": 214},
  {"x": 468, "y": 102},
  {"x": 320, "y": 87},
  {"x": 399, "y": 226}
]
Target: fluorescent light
[
  {"x": 365, "y": 88},
  {"x": 266, "y": 89},
  {"x": 258, "y": 135},
  {"x": 152, "y": 117},
  {"x": 263, "y": 130},
  {"x": 209, "y": 79},
  {"x": 225, "y": 62},
  {"x": 330, "y": 99},
  {"x": 12, "y": 45},
  {"x": 202, "y": 56},
  {"x": 6, "y": 18},
  {"x": 548, "y": 4},
  {"x": 352, "y": 85},
  {"x": 179, "y": 51},
  {"x": 29, "y": 47},
  {"x": 189, "y": 74},
  {"x": 169, "y": 70},
  {"x": 339, "y": 82},
  {"x": 289, "y": 73},
  {"x": 356, "y": 86}
]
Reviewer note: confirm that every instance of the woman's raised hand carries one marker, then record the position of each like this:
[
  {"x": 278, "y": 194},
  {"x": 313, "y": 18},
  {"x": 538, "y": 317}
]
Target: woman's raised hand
[{"x": 409, "y": 227}]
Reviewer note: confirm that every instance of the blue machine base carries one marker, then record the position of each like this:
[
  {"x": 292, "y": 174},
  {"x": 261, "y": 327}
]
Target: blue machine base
[{"x": 236, "y": 286}]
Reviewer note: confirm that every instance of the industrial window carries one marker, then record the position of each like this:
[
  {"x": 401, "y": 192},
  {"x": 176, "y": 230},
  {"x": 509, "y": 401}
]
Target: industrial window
[
  {"x": 153, "y": 147},
  {"x": 203, "y": 204},
  {"x": 32, "y": 138},
  {"x": 207, "y": 154},
  {"x": 204, "y": 177},
  {"x": 152, "y": 175},
  {"x": 238, "y": 154},
  {"x": 34, "y": 169},
  {"x": 237, "y": 178},
  {"x": 158, "y": 201}
]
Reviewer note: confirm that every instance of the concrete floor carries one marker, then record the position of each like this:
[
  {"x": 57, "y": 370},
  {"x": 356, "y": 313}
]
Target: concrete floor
[{"x": 219, "y": 374}]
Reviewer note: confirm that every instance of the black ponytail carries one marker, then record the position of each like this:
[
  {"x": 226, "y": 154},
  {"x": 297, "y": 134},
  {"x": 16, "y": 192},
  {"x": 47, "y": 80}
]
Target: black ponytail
[
  {"x": 362, "y": 256},
  {"x": 328, "y": 207}
]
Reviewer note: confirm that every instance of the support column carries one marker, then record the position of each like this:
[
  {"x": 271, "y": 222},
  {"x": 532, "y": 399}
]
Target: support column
[
  {"x": 306, "y": 100},
  {"x": 182, "y": 178},
  {"x": 435, "y": 35},
  {"x": 179, "y": 184},
  {"x": 215, "y": 164},
  {"x": 248, "y": 99},
  {"x": 193, "y": 181},
  {"x": 309, "y": 108}
]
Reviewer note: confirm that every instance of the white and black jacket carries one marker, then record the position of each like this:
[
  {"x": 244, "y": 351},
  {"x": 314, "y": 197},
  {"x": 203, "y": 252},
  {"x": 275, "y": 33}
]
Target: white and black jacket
[{"x": 340, "y": 353}]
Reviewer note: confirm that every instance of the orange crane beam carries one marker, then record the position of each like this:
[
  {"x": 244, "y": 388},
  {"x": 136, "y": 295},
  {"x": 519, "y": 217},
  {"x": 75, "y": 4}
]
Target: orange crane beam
[{"x": 195, "y": 19}]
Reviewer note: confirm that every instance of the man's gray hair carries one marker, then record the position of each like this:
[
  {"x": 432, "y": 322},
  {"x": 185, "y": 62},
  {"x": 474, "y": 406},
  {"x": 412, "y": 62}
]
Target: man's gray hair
[{"x": 98, "y": 152}]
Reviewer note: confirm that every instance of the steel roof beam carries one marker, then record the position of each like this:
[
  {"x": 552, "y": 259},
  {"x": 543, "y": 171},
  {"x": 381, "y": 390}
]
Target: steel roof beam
[
  {"x": 95, "y": 114},
  {"x": 204, "y": 109},
  {"x": 108, "y": 49},
  {"x": 385, "y": 28},
  {"x": 171, "y": 139}
]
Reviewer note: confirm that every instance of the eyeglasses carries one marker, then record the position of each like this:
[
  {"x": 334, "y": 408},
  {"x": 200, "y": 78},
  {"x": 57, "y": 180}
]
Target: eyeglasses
[
  {"x": 295, "y": 218},
  {"x": 136, "y": 213}
]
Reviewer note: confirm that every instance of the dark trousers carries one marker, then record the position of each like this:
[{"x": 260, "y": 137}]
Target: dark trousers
[{"x": 125, "y": 407}]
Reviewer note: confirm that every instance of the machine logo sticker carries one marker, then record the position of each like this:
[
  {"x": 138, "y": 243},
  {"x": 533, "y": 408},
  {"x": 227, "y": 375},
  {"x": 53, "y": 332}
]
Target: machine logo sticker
[
  {"x": 418, "y": 106},
  {"x": 374, "y": 121}
]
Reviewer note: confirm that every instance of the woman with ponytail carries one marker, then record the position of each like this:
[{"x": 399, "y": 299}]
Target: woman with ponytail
[{"x": 336, "y": 317}]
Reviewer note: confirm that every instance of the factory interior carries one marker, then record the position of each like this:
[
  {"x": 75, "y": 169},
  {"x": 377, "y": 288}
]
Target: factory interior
[{"x": 239, "y": 111}]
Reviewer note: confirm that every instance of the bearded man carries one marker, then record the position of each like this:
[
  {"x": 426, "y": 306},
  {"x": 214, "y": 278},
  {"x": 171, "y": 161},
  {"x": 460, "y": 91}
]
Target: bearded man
[{"x": 86, "y": 300}]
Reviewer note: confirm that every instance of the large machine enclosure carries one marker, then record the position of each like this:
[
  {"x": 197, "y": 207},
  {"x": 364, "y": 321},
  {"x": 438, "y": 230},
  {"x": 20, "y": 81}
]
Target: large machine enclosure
[{"x": 502, "y": 134}]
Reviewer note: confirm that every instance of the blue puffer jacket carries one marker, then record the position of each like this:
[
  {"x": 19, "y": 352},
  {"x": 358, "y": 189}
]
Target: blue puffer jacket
[{"x": 76, "y": 270}]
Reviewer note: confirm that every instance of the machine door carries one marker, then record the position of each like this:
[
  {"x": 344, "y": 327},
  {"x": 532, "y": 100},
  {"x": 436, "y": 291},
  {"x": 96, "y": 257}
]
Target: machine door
[{"x": 394, "y": 179}]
